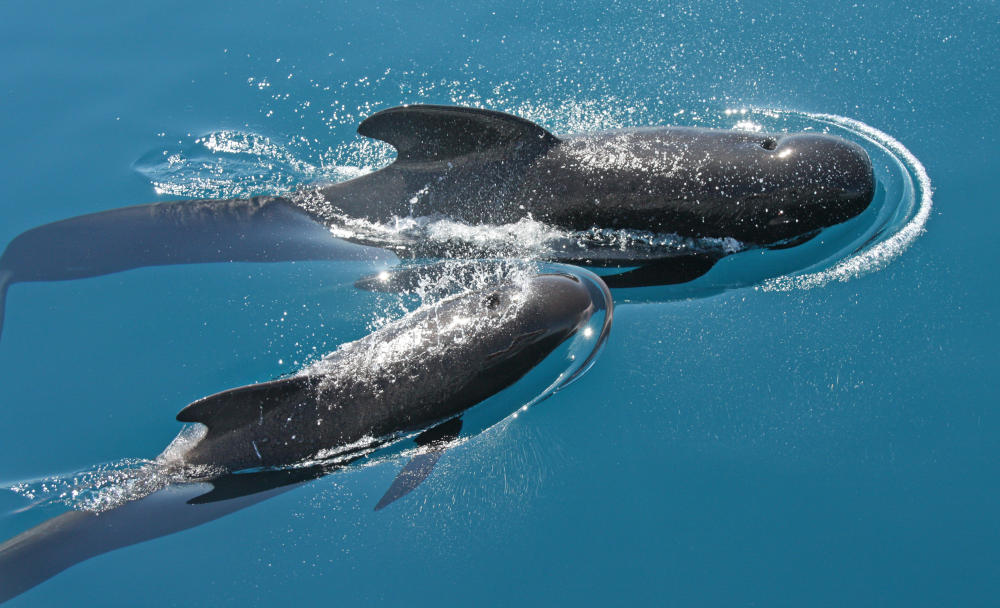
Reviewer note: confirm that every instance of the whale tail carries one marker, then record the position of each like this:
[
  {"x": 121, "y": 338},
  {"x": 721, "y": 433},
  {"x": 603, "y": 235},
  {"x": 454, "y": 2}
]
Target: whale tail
[{"x": 6, "y": 278}]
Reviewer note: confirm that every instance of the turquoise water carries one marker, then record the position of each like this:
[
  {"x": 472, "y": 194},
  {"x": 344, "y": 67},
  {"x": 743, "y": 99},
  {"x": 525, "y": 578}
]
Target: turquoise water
[{"x": 741, "y": 441}]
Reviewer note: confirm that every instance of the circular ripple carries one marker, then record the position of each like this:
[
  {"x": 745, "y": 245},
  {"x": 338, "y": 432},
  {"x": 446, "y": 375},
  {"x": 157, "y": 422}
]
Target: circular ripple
[{"x": 902, "y": 213}]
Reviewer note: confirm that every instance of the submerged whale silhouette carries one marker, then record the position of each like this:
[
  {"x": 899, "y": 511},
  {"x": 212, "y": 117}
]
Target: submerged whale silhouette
[
  {"x": 485, "y": 167},
  {"x": 419, "y": 374},
  {"x": 186, "y": 232}
]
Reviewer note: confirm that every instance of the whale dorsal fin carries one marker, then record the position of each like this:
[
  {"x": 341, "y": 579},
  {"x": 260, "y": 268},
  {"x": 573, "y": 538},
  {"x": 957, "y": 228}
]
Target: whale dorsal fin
[
  {"x": 245, "y": 405},
  {"x": 433, "y": 133}
]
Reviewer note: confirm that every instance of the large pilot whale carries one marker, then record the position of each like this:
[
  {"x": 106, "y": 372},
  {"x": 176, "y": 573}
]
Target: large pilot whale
[
  {"x": 483, "y": 167},
  {"x": 415, "y": 378},
  {"x": 487, "y": 168}
]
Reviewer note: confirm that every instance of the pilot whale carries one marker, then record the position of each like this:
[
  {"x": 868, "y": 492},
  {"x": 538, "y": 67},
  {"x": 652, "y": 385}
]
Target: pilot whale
[
  {"x": 416, "y": 377},
  {"x": 426, "y": 369},
  {"x": 483, "y": 167}
]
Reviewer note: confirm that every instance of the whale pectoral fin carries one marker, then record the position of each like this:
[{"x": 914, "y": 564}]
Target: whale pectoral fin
[
  {"x": 433, "y": 133},
  {"x": 420, "y": 467},
  {"x": 668, "y": 271},
  {"x": 245, "y": 405}
]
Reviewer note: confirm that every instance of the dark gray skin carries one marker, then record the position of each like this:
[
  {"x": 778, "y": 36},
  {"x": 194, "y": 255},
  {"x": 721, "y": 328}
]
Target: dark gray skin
[
  {"x": 482, "y": 166},
  {"x": 373, "y": 388},
  {"x": 479, "y": 166},
  {"x": 261, "y": 229},
  {"x": 424, "y": 369}
]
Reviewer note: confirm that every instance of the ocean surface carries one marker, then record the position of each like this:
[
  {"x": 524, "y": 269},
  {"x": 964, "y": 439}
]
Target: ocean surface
[{"x": 813, "y": 427}]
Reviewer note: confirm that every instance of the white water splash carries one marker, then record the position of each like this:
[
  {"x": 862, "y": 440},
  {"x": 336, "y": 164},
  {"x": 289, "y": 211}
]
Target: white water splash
[
  {"x": 526, "y": 238},
  {"x": 107, "y": 486},
  {"x": 400, "y": 349},
  {"x": 237, "y": 164}
]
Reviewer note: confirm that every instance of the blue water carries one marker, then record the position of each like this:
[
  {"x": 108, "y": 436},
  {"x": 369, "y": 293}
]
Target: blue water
[{"x": 740, "y": 446}]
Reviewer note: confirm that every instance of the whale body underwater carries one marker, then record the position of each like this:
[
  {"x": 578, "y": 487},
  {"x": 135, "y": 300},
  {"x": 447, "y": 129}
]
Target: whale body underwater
[
  {"x": 482, "y": 167},
  {"x": 415, "y": 377}
]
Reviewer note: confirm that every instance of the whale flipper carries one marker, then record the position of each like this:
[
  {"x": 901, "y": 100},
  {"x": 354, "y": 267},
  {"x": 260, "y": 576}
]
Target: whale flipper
[
  {"x": 423, "y": 133},
  {"x": 668, "y": 271},
  {"x": 420, "y": 467}
]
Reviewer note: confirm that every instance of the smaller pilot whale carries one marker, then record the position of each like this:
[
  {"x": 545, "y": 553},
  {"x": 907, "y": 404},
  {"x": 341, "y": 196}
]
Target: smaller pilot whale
[
  {"x": 416, "y": 377},
  {"x": 425, "y": 369}
]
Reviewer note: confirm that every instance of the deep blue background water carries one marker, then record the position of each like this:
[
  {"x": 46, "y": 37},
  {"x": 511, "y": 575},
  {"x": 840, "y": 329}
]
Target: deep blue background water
[{"x": 820, "y": 447}]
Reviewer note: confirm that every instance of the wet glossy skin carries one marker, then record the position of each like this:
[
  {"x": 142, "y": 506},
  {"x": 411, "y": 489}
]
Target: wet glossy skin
[
  {"x": 757, "y": 188},
  {"x": 409, "y": 383},
  {"x": 261, "y": 229},
  {"x": 425, "y": 368}
]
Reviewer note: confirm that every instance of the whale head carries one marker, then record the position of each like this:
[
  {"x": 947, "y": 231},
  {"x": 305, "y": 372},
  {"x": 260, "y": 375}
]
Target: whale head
[
  {"x": 808, "y": 182},
  {"x": 518, "y": 325},
  {"x": 768, "y": 189}
]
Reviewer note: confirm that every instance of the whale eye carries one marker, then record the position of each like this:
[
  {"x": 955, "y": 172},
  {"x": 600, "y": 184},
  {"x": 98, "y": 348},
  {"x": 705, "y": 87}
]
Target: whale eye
[
  {"x": 492, "y": 301},
  {"x": 769, "y": 144}
]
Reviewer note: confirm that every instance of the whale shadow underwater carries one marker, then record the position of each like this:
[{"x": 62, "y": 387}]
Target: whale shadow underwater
[
  {"x": 648, "y": 206},
  {"x": 419, "y": 381}
]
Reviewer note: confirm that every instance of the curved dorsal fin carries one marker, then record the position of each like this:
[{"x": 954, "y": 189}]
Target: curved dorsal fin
[
  {"x": 429, "y": 133},
  {"x": 246, "y": 405}
]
